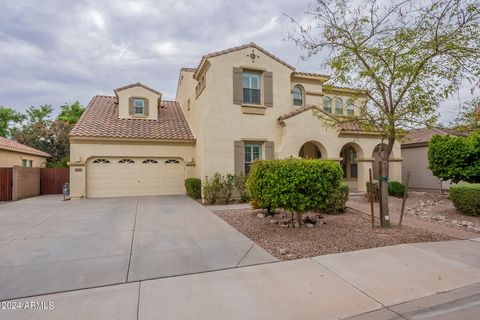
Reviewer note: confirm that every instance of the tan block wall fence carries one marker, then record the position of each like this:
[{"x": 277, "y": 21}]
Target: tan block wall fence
[{"x": 26, "y": 182}]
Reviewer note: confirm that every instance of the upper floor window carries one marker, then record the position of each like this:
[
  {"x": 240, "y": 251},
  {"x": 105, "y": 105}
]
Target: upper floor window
[
  {"x": 350, "y": 108},
  {"x": 338, "y": 106},
  {"x": 327, "y": 104},
  {"x": 297, "y": 96},
  {"x": 251, "y": 87},
  {"x": 139, "y": 106}
]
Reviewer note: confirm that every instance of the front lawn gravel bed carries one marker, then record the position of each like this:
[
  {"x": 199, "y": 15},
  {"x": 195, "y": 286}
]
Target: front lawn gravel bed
[{"x": 349, "y": 231}]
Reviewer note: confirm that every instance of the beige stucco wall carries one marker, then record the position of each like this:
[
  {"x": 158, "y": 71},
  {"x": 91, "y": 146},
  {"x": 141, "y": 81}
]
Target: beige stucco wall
[
  {"x": 82, "y": 150},
  {"x": 26, "y": 182},
  {"x": 416, "y": 161},
  {"x": 217, "y": 122},
  {"x": 137, "y": 92},
  {"x": 10, "y": 159}
]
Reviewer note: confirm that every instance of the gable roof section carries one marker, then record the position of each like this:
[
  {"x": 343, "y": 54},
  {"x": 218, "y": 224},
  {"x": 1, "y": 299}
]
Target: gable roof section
[
  {"x": 137, "y": 84},
  {"x": 343, "y": 126},
  {"x": 233, "y": 49},
  {"x": 422, "y": 136},
  {"x": 100, "y": 120},
  {"x": 10, "y": 145}
]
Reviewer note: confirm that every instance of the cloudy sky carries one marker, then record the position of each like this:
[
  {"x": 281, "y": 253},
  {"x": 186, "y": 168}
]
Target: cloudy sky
[{"x": 57, "y": 51}]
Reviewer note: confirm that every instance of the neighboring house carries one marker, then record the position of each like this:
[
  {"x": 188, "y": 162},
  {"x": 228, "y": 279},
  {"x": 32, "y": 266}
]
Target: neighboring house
[
  {"x": 238, "y": 105},
  {"x": 16, "y": 154},
  {"x": 415, "y": 158}
]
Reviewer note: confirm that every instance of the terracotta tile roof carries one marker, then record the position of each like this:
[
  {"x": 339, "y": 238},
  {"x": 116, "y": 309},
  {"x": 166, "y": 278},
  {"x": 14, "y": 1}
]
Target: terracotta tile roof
[
  {"x": 311, "y": 74},
  {"x": 424, "y": 135},
  {"x": 248, "y": 45},
  {"x": 100, "y": 119},
  {"x": 342, "y": 126},
  {"x": 10, "y": 145},
  {"x": 137, "y": 84}
]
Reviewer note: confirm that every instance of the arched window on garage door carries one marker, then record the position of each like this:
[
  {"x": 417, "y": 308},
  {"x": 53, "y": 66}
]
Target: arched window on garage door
[
  {"x": 172, "y": 161},
  {"x": 149, "y": 161},
  {"x": 126, "y": 161},
  {"x": 101, "y": 161}
]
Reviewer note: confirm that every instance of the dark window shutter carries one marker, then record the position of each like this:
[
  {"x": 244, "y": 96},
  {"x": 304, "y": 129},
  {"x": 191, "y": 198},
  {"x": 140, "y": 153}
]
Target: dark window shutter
[
  {"x": 146, "y": 107},
  {"x": 239, "y": 157},
  {"x": 268, "y": 88},
  {"x": 237, "y": 86},
  {"x": 131, "y": 110},
  {"x": 269, "y": 150}
]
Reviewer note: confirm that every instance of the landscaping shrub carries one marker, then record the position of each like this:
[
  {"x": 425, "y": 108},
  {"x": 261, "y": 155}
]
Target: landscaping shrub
[
  {"x": 193, "y": 187},
  {"x": 212, "y": 188},
  {"x": 338, "y": 201},
  {"x": 376, "y": 190},
  {"x": 295, "y": 185},
  {"x": 466, "y": 198},
  {"x": 227, "y": 187},
  {"x": 455, "y": 158},
  {"x": 395, "y": 189},
  {"x": 241, "y": 187}
]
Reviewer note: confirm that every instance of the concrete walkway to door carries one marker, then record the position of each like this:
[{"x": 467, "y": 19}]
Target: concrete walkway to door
[{"x": 48, "y": 245}]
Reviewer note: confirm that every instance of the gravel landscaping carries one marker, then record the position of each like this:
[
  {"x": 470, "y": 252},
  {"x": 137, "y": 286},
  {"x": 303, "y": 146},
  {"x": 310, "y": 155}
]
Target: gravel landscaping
[
  {"x": 332, "y": 234},
  {"x": 432, "y": 207}
]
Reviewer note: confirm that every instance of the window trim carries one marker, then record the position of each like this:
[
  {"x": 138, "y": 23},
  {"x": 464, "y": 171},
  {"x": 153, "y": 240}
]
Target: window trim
[
  {"x": 350, "y": 108},
  {"x": 126, "y": 160},
  {"x": 337, "y": 99},
  {"x": 247, "y": 165},
  {"x": 101, "y": 161},
  {"x": 135, "y": 107},
  {"x": 302, "y": 95},
  {"x": 327, "y": 98},
  {"x": 259, "y": 74}
]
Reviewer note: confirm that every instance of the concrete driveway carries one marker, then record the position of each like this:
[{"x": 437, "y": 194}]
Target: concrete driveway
[{"x": 48, "y": 245}]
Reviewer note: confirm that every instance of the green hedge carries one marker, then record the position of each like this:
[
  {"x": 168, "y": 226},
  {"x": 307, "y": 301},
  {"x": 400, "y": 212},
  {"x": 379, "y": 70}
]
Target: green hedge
[
  {"x": 455, "y": 158},
  {"x": 466, "y": 198},
  {"x": 295, "y": 185},
  {"x": 338, "y": 201},
  {"x": 395, "y": 189},
  {"x": 193, "y": 187}
]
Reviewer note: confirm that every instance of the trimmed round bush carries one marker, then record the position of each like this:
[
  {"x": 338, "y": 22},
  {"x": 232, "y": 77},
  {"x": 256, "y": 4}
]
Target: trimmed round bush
[
  {"x": 193, "y": 187},
  {"x": 466, "y": 198},
  {"x": 395, "y": 189},
  {"x": 295, "y": 185}
]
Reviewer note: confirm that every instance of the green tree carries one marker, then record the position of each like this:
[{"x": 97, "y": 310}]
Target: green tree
[
  {"x": 469, "y": 119},
  {"x": 8, "y": 118},
  {"x": 455, "y": 158},
  {"x": 407, "y": 55},
  {"x": 71, "y": 112}
]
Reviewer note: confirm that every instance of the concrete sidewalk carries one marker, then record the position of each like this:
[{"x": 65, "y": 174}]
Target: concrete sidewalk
[{"x": 371, "y": 284}]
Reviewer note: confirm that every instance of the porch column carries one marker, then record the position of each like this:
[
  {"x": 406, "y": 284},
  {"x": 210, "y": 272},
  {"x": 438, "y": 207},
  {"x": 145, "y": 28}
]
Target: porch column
[{"x": 364, "y": 164}]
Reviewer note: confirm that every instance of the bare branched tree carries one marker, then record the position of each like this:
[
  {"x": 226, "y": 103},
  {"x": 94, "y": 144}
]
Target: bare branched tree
[{"x": 407, "y": 55}]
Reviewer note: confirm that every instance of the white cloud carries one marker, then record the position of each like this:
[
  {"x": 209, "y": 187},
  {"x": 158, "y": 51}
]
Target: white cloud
[
  {"x": 97, "y": 19},
  {"x": 166, "y": 48}
]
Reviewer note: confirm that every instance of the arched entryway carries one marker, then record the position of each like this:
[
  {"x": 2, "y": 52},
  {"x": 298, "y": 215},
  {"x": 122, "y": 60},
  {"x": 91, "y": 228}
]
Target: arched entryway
[
  {"x": 349, "y": 155},
  {"x": 312, "y": 150}
]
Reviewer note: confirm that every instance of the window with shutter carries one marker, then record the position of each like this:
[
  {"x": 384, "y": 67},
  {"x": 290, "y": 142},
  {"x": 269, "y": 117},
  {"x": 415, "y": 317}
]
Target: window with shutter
[{"x": 251, "y": 87}]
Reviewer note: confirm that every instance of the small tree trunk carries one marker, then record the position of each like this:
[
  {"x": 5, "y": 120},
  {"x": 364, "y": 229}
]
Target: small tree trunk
[
  {"x": 383, "y": 185},
  {"x": 298, "y": 219}
]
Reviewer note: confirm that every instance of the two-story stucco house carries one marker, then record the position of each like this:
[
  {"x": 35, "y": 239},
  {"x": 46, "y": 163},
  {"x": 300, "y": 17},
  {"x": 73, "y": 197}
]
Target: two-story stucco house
[{"x": 238, "y": 105}]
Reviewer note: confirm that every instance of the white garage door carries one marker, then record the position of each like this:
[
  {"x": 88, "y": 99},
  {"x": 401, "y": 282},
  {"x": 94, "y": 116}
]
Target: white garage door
[{"x": 123, "y": 177}]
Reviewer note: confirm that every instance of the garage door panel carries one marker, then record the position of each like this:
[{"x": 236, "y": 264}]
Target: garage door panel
[{"x": 117, "y": 177}]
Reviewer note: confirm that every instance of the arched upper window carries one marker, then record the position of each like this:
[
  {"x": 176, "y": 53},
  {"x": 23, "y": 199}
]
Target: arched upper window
[
  {"x": 338, "y": 106},
  {"x": 149, "y": 161},
  {"x": 350, "y": 108},
  {"x": 327, "y": 104},
  {"x": 101, "y": 161},
  {"x": 172, "y": 161},
  {"x": 126, "y": 161},
  {"x": 297, "y": 96}
]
